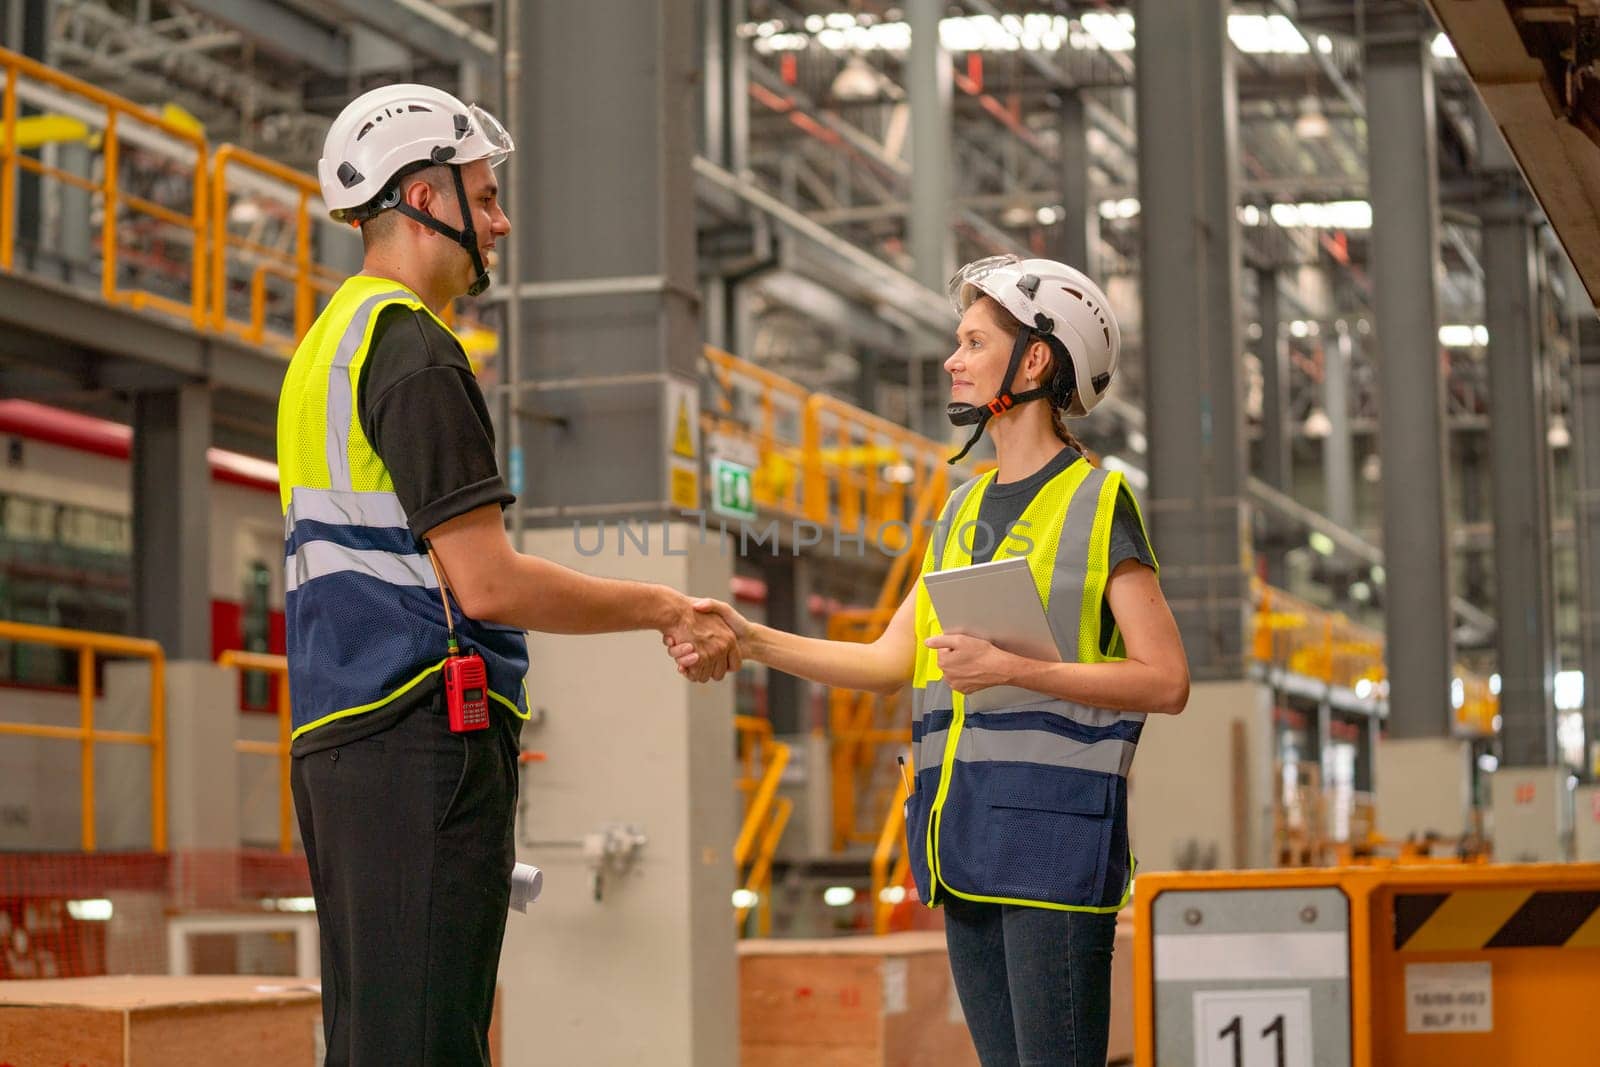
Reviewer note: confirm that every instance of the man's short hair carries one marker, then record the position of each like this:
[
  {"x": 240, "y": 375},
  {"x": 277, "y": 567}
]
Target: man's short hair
[{"x": 383, "y": 225}]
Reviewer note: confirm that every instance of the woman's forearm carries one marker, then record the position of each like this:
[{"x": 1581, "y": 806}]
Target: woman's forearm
[
  {"x": 1124, "y": 685},
  {"x": 841, "y": 664}
]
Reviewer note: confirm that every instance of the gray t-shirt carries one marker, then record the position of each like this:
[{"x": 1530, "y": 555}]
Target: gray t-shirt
[{"x": 1004, "y": 502}]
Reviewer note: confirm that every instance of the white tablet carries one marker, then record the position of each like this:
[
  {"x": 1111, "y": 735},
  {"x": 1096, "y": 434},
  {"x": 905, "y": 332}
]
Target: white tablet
[{"x": 998, "y": 602}]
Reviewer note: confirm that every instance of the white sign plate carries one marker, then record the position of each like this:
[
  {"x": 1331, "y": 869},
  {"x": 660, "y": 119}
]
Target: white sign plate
[
  {"x": 1449, "y": 998},
  {"x": 1252, "y": 1028}
]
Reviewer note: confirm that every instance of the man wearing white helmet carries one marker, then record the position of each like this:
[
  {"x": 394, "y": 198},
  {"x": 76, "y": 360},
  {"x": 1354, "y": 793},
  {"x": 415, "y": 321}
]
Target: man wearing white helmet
[
  {"x": 1018, "y": 824},
  {"x": 406, "y": 603}
]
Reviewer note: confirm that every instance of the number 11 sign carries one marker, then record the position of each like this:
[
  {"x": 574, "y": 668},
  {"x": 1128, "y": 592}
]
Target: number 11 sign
[{"x": 1252, "y": 1028}]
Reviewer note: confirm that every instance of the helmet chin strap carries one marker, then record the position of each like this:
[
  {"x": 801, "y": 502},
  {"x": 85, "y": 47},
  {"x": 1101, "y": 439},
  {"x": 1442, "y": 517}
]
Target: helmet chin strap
[
  {"x": 978, "y": 415},
  {"x": 466, "y": 237}
]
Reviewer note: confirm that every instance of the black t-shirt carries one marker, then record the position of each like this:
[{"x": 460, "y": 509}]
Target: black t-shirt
[
  {"x": 420, "y": 406},
  {"x": 1004, "y": 502},
  {"x": 424, "y": 414}
]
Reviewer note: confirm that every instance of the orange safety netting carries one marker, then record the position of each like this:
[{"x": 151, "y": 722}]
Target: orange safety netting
[{"x": 74, "y": 914}]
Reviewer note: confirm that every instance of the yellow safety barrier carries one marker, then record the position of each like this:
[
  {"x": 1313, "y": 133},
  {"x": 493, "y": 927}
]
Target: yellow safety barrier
[
  {"x": 766, "y": 814},
  {"x": 1435, "y": 966},
  {"x": 117, "y": 120},
  {"x": 279, "y": 749},
  {"x": 294, "y": 267},
  {"x": 88, "y": 645}
]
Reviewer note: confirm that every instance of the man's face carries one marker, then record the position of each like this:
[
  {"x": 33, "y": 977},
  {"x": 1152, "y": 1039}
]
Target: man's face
[{"x": 489, "y": 222}]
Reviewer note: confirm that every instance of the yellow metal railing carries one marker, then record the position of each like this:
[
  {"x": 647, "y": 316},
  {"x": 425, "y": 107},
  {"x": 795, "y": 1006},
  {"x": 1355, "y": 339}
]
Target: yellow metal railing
[
  {"x": 891, "y": 861},
  {"x": 277, "y": 666},
  {"x": 118, "y": 123},
  {"x": 762, "y": 760},
  {"x": 88, "y": 645},
  {"x": 765, "y": 412},
  {"x": 1314, "y": 642},
  {"x": 293, "y": 267}
]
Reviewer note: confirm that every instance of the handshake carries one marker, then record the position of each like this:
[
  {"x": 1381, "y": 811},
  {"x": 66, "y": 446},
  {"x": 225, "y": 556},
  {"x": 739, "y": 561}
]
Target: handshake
[{"x": 708, "y": 639}]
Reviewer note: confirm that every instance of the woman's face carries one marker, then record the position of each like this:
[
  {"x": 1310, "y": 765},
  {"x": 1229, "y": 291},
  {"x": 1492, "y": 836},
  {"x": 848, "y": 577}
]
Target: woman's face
[{"x": 983, "y": 348}]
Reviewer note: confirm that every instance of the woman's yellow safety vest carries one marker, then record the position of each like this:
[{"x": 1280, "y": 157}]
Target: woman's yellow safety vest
[
  {"x": 1026, "y": 804},
  {"x": 364, "y": 619}
]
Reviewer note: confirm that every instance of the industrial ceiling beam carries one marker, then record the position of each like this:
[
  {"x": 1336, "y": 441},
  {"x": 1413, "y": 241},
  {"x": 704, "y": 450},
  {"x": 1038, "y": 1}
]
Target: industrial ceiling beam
[{"x": 281, "y": 30}]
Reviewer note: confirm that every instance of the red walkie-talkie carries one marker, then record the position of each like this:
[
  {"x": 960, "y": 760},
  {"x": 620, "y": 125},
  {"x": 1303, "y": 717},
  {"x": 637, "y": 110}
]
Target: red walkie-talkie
[
  {"x": 466, "y": 681},
  {"x": 466, "y": 690}
]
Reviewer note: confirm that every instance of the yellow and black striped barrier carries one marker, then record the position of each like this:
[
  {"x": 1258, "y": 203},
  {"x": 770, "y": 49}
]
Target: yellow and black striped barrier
[{"x": 1473, "y": 919}]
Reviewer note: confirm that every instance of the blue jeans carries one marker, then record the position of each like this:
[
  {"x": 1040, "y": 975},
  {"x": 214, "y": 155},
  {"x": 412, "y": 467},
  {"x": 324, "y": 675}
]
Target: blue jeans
[{"x": 1035, "y": 983}]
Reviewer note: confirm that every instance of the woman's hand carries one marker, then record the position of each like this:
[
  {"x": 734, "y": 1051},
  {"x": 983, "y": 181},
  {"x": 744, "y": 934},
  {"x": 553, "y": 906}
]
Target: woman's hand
[
  {"x": 684, "y": 653},
  {"x": 971, "y": 664}
]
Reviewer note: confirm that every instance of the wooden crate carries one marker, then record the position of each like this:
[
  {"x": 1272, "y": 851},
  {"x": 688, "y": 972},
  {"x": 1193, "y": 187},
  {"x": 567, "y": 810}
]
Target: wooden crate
[
  {"x": 850, "y": 1002},
  {"x": 877, "y": 1002},
  {"x": 156, "y": 1021}
]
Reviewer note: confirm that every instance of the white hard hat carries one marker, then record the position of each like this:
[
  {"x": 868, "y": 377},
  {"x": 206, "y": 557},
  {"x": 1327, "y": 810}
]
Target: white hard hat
[
  {"x": 1056, "y": 301},
  {"x": 381, "y": 133}
]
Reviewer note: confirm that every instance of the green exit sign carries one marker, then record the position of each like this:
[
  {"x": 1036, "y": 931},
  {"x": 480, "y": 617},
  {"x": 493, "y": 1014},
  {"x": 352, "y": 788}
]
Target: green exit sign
[{"x": 731, "y": 493}]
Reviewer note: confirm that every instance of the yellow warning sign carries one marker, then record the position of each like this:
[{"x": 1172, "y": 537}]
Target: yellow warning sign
[
  {"x": 684, "y": 490},
  {"x": 683, "y": 436}
]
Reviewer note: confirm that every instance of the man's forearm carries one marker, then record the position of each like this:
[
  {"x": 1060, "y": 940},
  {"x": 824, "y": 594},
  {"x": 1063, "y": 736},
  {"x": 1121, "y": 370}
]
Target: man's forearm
[{"x": 544, "y": 596}]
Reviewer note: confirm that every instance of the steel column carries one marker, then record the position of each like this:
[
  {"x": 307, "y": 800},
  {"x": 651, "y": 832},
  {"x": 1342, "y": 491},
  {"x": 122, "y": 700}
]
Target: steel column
[
  {"x": 1586, "y": 451},
  {"x": 1277, "y": 449},
  {"x": 1336, "y": 450},
  {"x": 928, "y": 83},
  {"x": 1078, "y": 232},
  {"x": 597, "y": 362},
  {"x": 172, "y": 519},
  {"x": 1405, "y": 242},
  {"x": 1189, "y": 246},
  {"x": 1519, "y": 480}
]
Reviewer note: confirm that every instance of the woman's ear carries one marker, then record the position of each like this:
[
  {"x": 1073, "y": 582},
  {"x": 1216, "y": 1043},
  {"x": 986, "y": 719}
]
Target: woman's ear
[{"x": 1037, "y": 365}]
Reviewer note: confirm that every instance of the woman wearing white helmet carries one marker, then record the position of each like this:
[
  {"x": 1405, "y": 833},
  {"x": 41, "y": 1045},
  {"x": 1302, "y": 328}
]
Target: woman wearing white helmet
[{"x": 1018, "y": 821}]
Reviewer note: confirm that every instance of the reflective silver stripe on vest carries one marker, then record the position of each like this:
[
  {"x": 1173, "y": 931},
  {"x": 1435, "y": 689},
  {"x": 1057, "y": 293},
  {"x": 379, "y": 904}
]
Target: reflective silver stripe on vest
[
  {"x": 952, "y": 508},
  {"x": 1071, "y": 569},
  {"x": 345, "y": 508},
  {"x": 936, "y": 697},
  {"x": 318, "y": 559},
  {"x": 340, "y": 403},
  {"x": 1037, "y": 746}
]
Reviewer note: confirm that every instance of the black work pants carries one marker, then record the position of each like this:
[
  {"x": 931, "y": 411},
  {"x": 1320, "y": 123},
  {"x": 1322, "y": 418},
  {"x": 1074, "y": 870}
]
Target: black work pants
[{"x": 409, "y": 836}]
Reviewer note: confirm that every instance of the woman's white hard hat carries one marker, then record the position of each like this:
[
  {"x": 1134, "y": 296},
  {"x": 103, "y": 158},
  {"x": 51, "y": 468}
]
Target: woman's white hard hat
[{"x": 1055, "y": 299}]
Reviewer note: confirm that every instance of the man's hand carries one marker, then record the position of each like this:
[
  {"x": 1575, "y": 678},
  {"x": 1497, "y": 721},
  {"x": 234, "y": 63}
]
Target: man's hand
[
  {"x": 702, "y": 643},
  {"x": 971, "y": 664},
  {"x": 685, "y": 653}
]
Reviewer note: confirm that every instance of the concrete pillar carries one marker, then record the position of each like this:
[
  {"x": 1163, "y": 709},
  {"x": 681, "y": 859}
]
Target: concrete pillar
[
  {"x": 1405, "y": 211},
  {"x": 1277, "y": 449},
  {"x": 1525, "y": 637},
  {"x": 1190, "y": 255},
  {"x": 171, "y": 519},
  {"x": 1078, "y": 232},
  {"x": 646, "y": 974},
  {"x": 928, "y": 83}
]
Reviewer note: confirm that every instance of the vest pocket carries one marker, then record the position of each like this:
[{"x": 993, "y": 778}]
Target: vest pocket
[
  {"x": 1049, "y": 833},
  {"x": 917, "y": 807}
]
